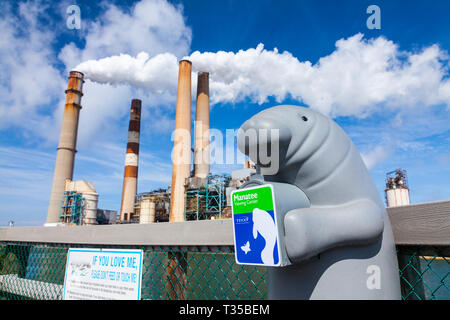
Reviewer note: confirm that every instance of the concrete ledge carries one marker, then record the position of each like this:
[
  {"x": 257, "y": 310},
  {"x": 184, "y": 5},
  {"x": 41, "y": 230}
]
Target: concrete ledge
[
  {"x": 416, "y": 224},
  {"x": 189, "y": 233}
]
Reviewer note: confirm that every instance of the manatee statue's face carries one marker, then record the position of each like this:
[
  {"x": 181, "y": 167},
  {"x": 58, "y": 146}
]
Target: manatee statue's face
[{"x": 272, "y": 136}]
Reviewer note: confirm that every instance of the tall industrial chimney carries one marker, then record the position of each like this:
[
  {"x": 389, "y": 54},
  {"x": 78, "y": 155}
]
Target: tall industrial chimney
[
  {"x": 65, "y": 156},
  {"x": 131, "y": 162},
  {"x": 201, "y": 149},
  {"x": 181, "y": 154}
]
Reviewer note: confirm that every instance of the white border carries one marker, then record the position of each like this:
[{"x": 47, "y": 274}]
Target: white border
[{"x": 130, "y": 251}]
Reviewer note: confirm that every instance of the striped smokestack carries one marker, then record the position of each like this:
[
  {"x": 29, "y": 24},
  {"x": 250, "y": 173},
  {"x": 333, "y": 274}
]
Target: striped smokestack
[
  {"x": 66, "y": 150},
  {"x": 201, "y": 149},
  {"x": 181, "y": 155},
  {"x": 131, "y": 162}
]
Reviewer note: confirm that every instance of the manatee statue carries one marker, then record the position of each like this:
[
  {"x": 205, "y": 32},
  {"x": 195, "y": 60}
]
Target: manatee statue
[{"x": 341, "y": 243}]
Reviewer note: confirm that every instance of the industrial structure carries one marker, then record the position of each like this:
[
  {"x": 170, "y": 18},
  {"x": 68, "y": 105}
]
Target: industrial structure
[
  {"x": 201, "y": 147},
  {"x": 79, "y": 203},
  {"x": 397, "y": 190},
  {"x": 194, "y": 194},
  {"x": 208, "y": 201},
  {"x": 65, "y": 156},
  {"x": 153, "y": 206},
  {"x": 181, "y": 154}
]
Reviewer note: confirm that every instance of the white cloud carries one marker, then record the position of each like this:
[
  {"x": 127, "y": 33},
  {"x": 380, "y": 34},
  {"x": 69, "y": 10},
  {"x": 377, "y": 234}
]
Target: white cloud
[
  {"x": 357, "y": 79},
  {"x": 354, "y": 80},
  {"x": 153, "y": 26},
  {"x": 29, "y": 82},
  {"x": 377, "y": 155}
]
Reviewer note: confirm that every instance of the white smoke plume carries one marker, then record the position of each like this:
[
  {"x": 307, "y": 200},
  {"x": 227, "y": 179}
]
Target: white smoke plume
[
  {"x": 157, "y": 74},
  {"x": 356, "y": 79}
]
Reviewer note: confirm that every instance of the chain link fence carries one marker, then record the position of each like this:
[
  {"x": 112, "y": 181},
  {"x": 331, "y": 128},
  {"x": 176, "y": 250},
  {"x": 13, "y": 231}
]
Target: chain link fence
[
  {"x": 36, "y": 271},
  {"x": 424, "y": 272}
]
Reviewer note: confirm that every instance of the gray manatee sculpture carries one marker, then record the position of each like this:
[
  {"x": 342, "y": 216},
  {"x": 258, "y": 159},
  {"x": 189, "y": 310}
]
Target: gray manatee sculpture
[{"x": 340, "y": 243}]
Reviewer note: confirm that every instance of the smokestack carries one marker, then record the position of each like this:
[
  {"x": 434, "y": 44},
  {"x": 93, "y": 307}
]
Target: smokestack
[
  {"x": 181, "y": 155},
  {"x": 201, "y": 151},
  {"x": 65, "y": 155},
  {"x": 131, "y": 162}
]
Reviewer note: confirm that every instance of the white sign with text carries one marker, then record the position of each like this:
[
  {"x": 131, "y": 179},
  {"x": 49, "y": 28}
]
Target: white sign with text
[{"x": 103, "y": 274}]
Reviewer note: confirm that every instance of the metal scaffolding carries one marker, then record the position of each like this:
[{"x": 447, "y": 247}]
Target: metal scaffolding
[
  {"x": 396, "y": 179},
  {"x": 216, "y": 199},
  {"x": 203, "y": 203},
  {"x": 195, "y": 205},
  {"x": 71, "y": 207}
]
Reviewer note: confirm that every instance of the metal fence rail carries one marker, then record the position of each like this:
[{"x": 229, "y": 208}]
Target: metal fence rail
[{"x": 32, "y": 270}]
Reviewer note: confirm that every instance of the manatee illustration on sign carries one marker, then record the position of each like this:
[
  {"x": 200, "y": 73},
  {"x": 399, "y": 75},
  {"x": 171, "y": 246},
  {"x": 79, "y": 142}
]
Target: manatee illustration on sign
[
  {"x": 255, "y": 228},
  {"x": 264, "y": 225}
]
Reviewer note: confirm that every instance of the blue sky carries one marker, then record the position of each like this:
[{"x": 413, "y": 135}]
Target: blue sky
[{"x": 397, "y": 113}]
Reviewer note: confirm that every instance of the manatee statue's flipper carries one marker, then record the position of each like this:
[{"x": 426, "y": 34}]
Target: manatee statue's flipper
[{"x": 310, "y": 231}]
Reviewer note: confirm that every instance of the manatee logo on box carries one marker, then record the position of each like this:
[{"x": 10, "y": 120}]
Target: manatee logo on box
[{"x": 255, "y": 226}]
